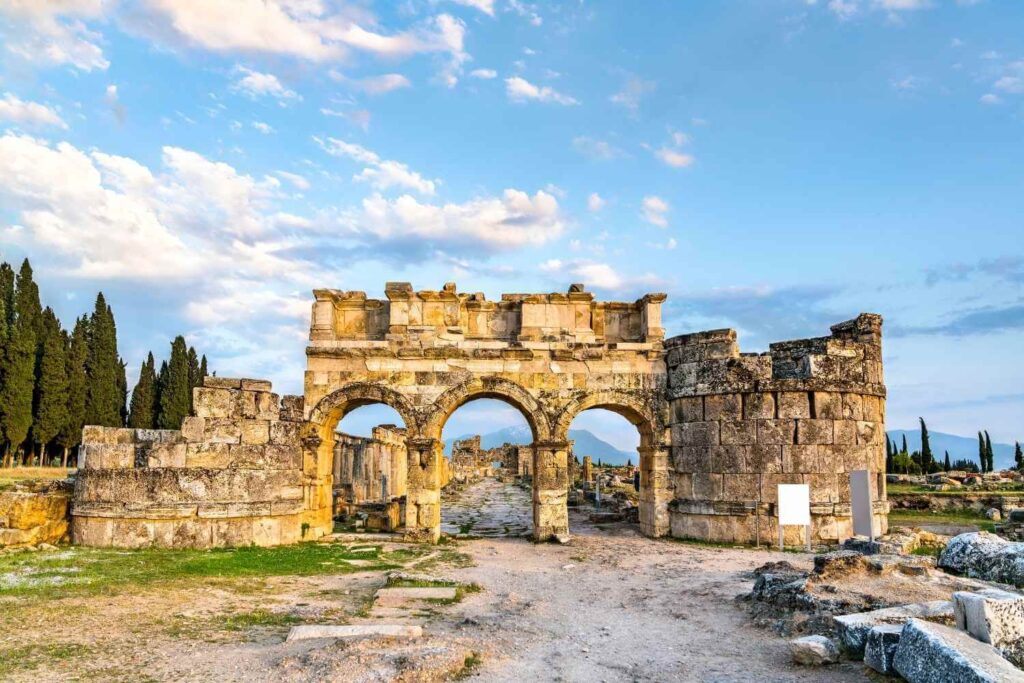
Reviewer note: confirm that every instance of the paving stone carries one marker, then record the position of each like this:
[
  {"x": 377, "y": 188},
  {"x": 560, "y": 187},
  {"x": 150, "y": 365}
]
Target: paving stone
[
  {"x": 854, "y": 628},
  {"x": 933, "y": 653},
  {"x": 310, "y": 631},
  {"x": 398, "y": 597}
]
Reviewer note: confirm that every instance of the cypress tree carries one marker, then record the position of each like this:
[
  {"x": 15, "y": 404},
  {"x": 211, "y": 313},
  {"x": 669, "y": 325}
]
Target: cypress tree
[
  {"x": 6, "y": 318},
  {"x": 203, "y": 371},
  {"x": 143, "y": 409},
  {"x": 176, "y": 390},
  {"x": 948, "y": 467},
  {"x": 1018, "y": 455},
  {"x": 988, "y": 453},
  {"x": 20, "y": 362},
  {"x": 905, "y": 451},
  {"x": 52, "y": 386},
  {"x": 982, "y": 454},
  {"x": 888, "y": 454},
  {"x": 926, "y": 449},
  {"x": 78, "y": 351},
  {"x": 104, "y": 398},
  {"x": 194, "y": 378}
]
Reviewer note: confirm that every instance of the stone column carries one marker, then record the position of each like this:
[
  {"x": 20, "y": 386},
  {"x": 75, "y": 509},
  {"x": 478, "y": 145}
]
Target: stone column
[
  {"x": 588, "y": 469},
  {"x": 550, "y": 490},
  {"x": 318, "y": 489},
  {"x": 423, "y": 489},
  {"x": 655, "y": 492}
]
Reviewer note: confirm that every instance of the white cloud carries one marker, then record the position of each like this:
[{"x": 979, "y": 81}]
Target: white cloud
[
  {"x": 255, "y": 84},
  {"x": 654, "y": 210},
  {"x": 484, "y": 74},
  {"x": 1010, "y": 84},
  {"x": 44, "y": 33},
  {"x": 382, "y": 174},
  {"x": 989, "y": 98},
  {"x": 359, "y": 117},
  {"x": 295, "y": 179},
  {"x": 844, "y": 9},
  {"x": 485, "y": 6},
  {"x": 521, "y": 90},
  {"x": 527, "y": 11},
  {"x": 377, "y": 85},
  {"x": 595, "y": 149},
  {"x": 674, "y": 158},
  {"x": 633, "y": 91},
  {"x": 264, "y": 128},
  {"x": 513, "y": 221},
  {"x": 595, "y": 203},
  {"x": 597, "y": 275},
  {"x": 28, "y": 113}
]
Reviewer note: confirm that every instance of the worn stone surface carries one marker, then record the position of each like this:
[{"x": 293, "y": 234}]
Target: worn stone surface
[
  {"x": 995, "y": 617},
  {"x": 933, "y": 653},
  {"x": 814, "y": 651},
  {"x": 34, "y": 513},
  {"x": 985, "y": 556},
  {"x": 880, "y": 647},
  {"x": 854, "y": 628},
  {"x": 313, "y": 631}
]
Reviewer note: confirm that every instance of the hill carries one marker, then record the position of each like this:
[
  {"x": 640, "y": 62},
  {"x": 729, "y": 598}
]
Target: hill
[
  {"x": 585, "y": 442},
  {"x": 958, "y": 446}
]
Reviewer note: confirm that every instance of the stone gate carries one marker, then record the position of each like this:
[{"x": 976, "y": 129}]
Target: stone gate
[{"x": 719, "y": 429}]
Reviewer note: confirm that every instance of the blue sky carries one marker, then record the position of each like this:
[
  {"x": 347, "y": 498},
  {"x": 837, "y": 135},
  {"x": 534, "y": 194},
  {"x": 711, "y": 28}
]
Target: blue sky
[{"x": 774, "y": 166}]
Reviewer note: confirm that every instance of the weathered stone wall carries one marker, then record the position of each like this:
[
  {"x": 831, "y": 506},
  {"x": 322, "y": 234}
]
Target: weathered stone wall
[
  {"x": 808, "y": 411},
  {"x": 231, "y": 476},
  {"x": 34, "y": 512},
  {"x": 370, "y": 468}
]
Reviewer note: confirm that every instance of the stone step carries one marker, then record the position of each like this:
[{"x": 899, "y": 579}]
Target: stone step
[
  {"x": 311, "y": 631},
  {"x": 399, "y": 597}
]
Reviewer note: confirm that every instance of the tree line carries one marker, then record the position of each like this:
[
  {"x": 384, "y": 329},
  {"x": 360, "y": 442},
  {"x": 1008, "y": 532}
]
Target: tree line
[
  {"x": 900, "y": 461},
  {"x": 53, "y": 382}
]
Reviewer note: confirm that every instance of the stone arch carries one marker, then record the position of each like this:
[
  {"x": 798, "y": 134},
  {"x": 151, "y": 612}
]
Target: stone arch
[
  {"x": 487, "y": 387},
  {"x": 624, "y": 403},
  {"x": 329, "y": 411}
]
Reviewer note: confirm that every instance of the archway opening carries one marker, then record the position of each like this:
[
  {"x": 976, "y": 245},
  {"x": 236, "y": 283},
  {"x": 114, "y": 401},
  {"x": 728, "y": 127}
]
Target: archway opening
[
  {"x": 489, "y": 461},
  {"x": 605, "y": 470},
  {"x": 369, "y": 465}
]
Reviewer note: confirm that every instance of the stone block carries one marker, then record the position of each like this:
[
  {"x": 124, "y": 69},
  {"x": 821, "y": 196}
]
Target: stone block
[
  {"x": 728, "y": 458},
  {"x": 220, "y": 430},
  {"x": 933, "y": 653},
  {"x": 723, "y": 407},
  {"x": 193, "y": 429},
  {"x": 215, "y": 403},
  {"x": 873, "y": 408},
  {"x": 691, "y": 458},
  {"x": 776, "y": 432},
  {"x": 794, "y": 404},
  {"x": 814, "y": 651},
  {"x": 165, "y": 455},
  {"x": 823, "y": 488},
  {"x": 870, "y": 433},
  {"x": 707, "y": 486},
  {"x": 844, "y": 432},
  {"x": 853, "y": 407},
  {"x": 696, "y": 434},
  {"x": 207, "y": 455},
  {"x": 800, "y": 458},
  {"x": 741, "y": 487},
  {"x": 741, "y": 432},
  {"x": 254, "y": 431},
  {"x": 688, "y": 409},
  {"x": 255, "y": 385},
  {"x": 814, "y": 432},
  {"x": 880, "y": 647},
  {"x": 285, "y": 433},
  {"x": 853, "y": 629},
  {"x": 770, "y": 485},
  {"x": 92, "y": 434},
  {"x": 222, "y": 382},
  {"x": 766, "y": 459},
  {"x": 995, "y": 617},
  {"x": 759, "y": 406},
  {"x": 828, "y": 405},
  {"x": 102, "y": 456}
]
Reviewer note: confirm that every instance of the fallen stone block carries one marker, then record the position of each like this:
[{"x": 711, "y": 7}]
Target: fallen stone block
[
  {"x": 396, "y": 597},
  {"x": 982, "y": 555},
  {"x": 854, "y": 628},
  {"x": 311, "y": 631},
  {"x": 995, "y": 617},
  {"x": 880, "y": 648},
  {"x": 933, "y": 653},
  {"x": 814, "y": 651}
]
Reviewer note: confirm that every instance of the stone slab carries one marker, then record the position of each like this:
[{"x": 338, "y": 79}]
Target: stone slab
[
  {"x": 933, "y": 653},
  {"x": 995, "y": 617},
  {"x": 397, "y": 597},
  {"x": 854, "y": 628},
  {"x": 312, "y": 631},
  {"x": 880, "y": 648}
]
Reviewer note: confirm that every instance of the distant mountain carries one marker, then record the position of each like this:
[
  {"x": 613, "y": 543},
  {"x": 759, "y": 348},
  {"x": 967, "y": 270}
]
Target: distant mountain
[
  {"x": 584, "y": 443},
  {"x": 958, "y": 446}
]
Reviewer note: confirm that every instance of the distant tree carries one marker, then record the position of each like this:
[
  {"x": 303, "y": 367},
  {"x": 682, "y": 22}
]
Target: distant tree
[
  {"x": 904, "y": 464},
  {"x": 1018, "y": 455},
  {"x": 203, "y": 370},
  {"x": 927, "y": 460},
  {"x": 948, "y": 468},
  {"x": 965, "y": 465},
  {"x": 629, "y": 462},
  {"x": 52, "y": 386},
  {"x": 989, "y": 455},
  {"x": 194, "y": 379},
  {"x": 175, "y": 393},
  {"x": 105, "y": 394},
  {"x": 20, "y": 362},
  {"x": 142, "y": 414},
  {"x": 6, "y": 332},
  {"x": 904, "y": 449},
  {"x": 982, "y": 453},
  {"x": 888, "y": 455},
  {"x": 78, "y": 351}
]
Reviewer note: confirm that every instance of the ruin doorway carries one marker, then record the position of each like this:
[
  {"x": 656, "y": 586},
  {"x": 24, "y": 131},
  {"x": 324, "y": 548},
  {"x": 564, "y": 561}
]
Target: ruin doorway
[{"x": 489, "y": 456}]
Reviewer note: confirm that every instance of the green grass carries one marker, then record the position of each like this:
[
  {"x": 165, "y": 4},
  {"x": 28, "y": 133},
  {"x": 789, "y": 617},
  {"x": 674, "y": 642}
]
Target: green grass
[
  {"x": 259, "y": 618},
  {"x": 31, "y": 657},
  {"x": 904, "y": 489},
  {"x": 919, "y": 517},
  {"x": 469, "y": 666},
  {"x": 91, "y": 571},
  {"x": 461, "y": 589}
]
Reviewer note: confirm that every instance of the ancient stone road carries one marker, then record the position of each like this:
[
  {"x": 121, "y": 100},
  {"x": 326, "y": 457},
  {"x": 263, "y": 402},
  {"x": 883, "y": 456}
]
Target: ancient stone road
[{"x": 487, "y": 508}]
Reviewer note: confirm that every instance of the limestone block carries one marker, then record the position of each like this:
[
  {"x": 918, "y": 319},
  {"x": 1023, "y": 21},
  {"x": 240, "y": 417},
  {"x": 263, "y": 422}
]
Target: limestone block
[
  {"x": 696, "y": 434},
  {"x": 92, "y": 531},
  {"x": 220, "y": 430},
  {"x": 193, "y": 429},
  {"x": 723, "y": 407},
  {"x": 164, "y": 455},
  {"x": 794, "y": 404},
  {"x": 844, "y": 432},
  {"x": 770, "y": 485},
  {"x": 728, "y": 458},
  {"x": 814, "y": 651},
  {"x": 880, "y": 647},
  {"x": 291, "y": 408},
  {"x": 683, "y": 485},
  {"x": 776, "y": 432},
  {"x": 207, "y": 455},
  {"x": 100, "y": 456},
  {"x": 853, "y": 629},
  {"x": 285, "y": 433},
  {"x": 266, "y": 531},
  {"x": 255, "y": 431},
  {"x": 870, "y": 433},
  {"x": 873, "y": 408},
  {"x": 764, "y": 458},
  {"x": 801, "y": 458},
  {"x": 741, "y": 432},
  {"x": 691, "y": 458},
  {"x": 759, "y": 406},
  {"x": 853, "y": 407},
  {"x": 92, "y": 434},
  {"x": 707, "y": 486},
  {"x": 933, "y": 653},
  {"x": 828, "y": 405},
  {"x": 215, "y": 403},
  {"x": 995, "y": 617},
  {"x": 823, "y": 488},
  {"x": 741, "y": 487},
  {"x": 688, "y": 409},
  {"x": 222, "y": 382},
  {"x": 255, "y": 385},
  {"x": 814, "y": 431},
  {"x": 232, "y": 533},
  {"x": 132, "y": 533}
]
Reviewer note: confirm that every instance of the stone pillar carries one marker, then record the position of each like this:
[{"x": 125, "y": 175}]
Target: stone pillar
[
  {"x": 655, "y": 492},
  {"x": 423, "y": 492},
  {"x": 588, "y": 469},
  {"x": 550, "y": 490},
  {"x": 318, "y": 486}
]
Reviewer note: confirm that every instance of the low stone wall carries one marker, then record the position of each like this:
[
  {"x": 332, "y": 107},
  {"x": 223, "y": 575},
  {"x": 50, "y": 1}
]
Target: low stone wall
[
  {"x": 977, "y": 502},
  {"x": 231, "y": 476},
  {"x": 809, "y": 411},
  {"x": 34, "y": 513}
]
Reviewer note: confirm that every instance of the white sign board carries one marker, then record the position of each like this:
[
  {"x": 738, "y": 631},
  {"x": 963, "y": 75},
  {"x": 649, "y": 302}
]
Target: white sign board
[
  {"x": 860, "y": 500},
  {"x": 794, "y": 504}
]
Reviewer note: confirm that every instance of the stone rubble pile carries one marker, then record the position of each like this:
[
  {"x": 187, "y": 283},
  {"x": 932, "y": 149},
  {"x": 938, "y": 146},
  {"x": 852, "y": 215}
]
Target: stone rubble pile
[{"x": 985, "y": 556}]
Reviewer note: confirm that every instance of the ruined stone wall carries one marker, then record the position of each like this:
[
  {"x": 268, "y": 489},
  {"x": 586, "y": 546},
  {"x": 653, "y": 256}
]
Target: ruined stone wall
[
  {"x": 34, "y": 512},
  {"x": 808, "y": 411},
  {"x": 231, "y": 476},
  {"x": 364, "y": 465}
]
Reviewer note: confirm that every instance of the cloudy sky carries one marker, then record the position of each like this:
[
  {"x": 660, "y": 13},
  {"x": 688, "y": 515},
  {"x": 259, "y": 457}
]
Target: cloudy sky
[{"x": 773, "y": 165}]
